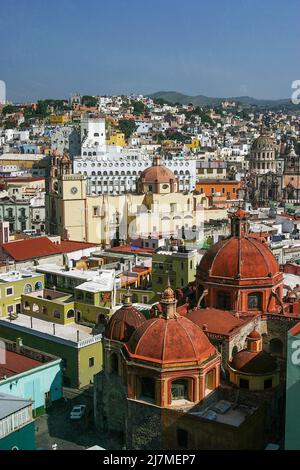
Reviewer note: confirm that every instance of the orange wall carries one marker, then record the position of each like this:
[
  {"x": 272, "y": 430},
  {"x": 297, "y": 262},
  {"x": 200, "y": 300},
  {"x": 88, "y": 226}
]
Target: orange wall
[{"x": 207, "y": 187}]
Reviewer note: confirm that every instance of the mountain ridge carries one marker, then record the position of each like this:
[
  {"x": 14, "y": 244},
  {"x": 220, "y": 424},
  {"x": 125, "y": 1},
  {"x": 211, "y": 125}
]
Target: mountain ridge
[{"x": 202, "y": 100}]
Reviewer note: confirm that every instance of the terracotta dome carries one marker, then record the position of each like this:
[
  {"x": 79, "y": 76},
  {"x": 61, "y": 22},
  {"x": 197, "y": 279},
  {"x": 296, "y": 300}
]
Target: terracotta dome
[
  {"x": 123, "y": 323},
  {"x": 157, "y": 174},
  {"x": 174, "y": 340},
  {"x": 254, "y": 363},
  {"x": 254, "y": 335},
  {"x": 256, "y": 260}
]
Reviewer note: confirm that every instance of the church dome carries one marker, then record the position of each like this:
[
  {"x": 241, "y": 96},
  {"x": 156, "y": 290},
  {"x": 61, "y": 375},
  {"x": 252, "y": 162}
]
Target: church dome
[
  {"x": 249, "y": 259},
  {"x": 166, "y": 341},
  {"x": 157, "y": 178},
  {"x": 263, "y": 143},
  {"x": 124, "y": 321},
  {"x": 240, "y": 257},
  {"x": 157, "y": 174}
]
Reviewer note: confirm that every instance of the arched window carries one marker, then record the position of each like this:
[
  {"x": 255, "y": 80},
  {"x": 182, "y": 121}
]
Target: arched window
[
  {"x": 27, "y": 288},
  {"x": 255, "y": 301},
  {"x": 26, "y": 305},
  {"x": 35, "y": 308},
  {"x": 45, "y": 311},
  {"x": 180, "y": 389},
  {"x": 114, "y": 363},
  {"x": 38, "y": 285},
  {"x": 147, "y": 390},
  {"x": 70, "y": 313}
]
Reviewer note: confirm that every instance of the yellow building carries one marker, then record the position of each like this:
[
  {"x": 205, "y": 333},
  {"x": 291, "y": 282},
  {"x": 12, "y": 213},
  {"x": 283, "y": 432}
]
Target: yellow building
[
  {"x": 157, "y": 209},
  {"x": 117, "y": 138},
  {"x": 59, "y": 119},
  {"x": 194, "y": 144}
]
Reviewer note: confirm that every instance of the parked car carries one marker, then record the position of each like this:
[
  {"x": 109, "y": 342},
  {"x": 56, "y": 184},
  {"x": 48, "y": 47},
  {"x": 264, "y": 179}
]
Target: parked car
[{"x": 78, "y": 411}]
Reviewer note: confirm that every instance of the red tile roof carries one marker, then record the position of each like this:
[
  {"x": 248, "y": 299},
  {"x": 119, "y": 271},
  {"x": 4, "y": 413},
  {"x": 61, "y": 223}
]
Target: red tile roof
[
  {"x": 216, "y": 321},
  {"x": 39, "y": 247},
  {"x": 16, "y": 363},
  {"x": 66, "y": 246},
  {"x": 30, "y": 248}
]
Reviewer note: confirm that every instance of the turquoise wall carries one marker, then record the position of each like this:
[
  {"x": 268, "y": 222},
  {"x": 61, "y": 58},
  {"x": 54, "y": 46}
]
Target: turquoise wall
[
  {"x": 292, "y": 412},
  {"x": 34, "y": 384},
  {"x": 23, "y": 438}
]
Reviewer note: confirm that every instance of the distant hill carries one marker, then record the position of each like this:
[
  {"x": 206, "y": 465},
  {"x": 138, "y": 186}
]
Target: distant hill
[{"x": 201, "y": 100}]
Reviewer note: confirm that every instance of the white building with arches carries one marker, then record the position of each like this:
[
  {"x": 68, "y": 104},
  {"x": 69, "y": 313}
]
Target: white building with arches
[{"x": 112, "y": 169}]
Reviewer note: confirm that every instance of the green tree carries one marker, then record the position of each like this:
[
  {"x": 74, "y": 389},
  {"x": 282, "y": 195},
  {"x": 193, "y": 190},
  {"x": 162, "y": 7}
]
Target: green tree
[
  {"x": 159, "y": 137},
  {"x": 127, "y": 126},
  {"x": 139, "y": 107},
  {"x": 10, "y": 125},
  {"x": 89, "y": 101},
  {"x": 9, "y": 109},
  {"x": 41, "y": 109}
]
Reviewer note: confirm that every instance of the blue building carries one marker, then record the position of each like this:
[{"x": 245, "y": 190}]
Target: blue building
[
  {"x": 17, "y": 430},
  {"x": 30, "y": 374}
]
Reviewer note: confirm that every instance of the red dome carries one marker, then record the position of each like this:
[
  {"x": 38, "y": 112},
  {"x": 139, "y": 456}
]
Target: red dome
[
  {"x": 222, "y": 260},
  {"x": 254, "y": 362},
  {"x": 123, "y": 323},
  {"x": 157, "y": 174},
  {"x": 254, "y": 335},
  {"x": 168, "y": 341}
]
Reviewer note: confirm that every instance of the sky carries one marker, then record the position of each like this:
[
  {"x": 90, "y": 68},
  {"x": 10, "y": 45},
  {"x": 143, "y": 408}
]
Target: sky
[{"x": 224, "y": 48}]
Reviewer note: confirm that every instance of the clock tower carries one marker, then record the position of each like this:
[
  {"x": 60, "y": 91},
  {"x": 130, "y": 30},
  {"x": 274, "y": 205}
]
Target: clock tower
[{"x": 66, "y": 201}]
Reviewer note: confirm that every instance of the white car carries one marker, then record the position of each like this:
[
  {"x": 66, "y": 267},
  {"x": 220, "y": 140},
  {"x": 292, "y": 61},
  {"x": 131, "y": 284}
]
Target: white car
[{"x": 77, "y": 411}]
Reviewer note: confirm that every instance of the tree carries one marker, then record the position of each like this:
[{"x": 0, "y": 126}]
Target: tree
[
  {"x": 127, "y": 126},
  {"x": 159, "y": 137},
  {"x": 9, "y": 125},
  {"x": 89, "y": 101},
  {"x": 9, "y": 109},
  {"x": 42, "y": 109},
  {"x": 139, "y": 107}
]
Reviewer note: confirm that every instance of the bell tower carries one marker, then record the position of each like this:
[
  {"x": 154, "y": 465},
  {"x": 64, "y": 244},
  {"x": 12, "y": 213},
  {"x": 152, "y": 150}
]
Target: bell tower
[{"x": 65, "y": 200}]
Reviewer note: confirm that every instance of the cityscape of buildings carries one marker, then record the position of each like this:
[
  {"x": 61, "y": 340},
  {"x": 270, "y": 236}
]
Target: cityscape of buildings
[{"x": 149, "y": 275}]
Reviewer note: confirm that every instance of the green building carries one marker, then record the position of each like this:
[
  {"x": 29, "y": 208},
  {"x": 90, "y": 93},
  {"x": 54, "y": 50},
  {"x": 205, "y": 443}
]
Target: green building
[
  {"x": 77, "y": 346},
  {"x": 17, "y": 431},
  {"x": 93, "y": 291},
  {"x": 179, "y": 266}
]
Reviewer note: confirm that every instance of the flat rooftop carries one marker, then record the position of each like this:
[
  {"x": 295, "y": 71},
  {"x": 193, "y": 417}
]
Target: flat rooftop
[
  {"x": 225, "y": 412},
  {"x": 13, "y": 276},
  {"x": 103, "y": 278},
  {"x": 72, "y": 334}
]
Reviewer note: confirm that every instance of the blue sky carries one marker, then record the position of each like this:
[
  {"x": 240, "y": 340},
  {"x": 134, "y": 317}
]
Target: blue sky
[{"x": 51, "y": 48}]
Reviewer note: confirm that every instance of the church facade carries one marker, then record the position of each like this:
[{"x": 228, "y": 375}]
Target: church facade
[{"x": 158, "y": 208}]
